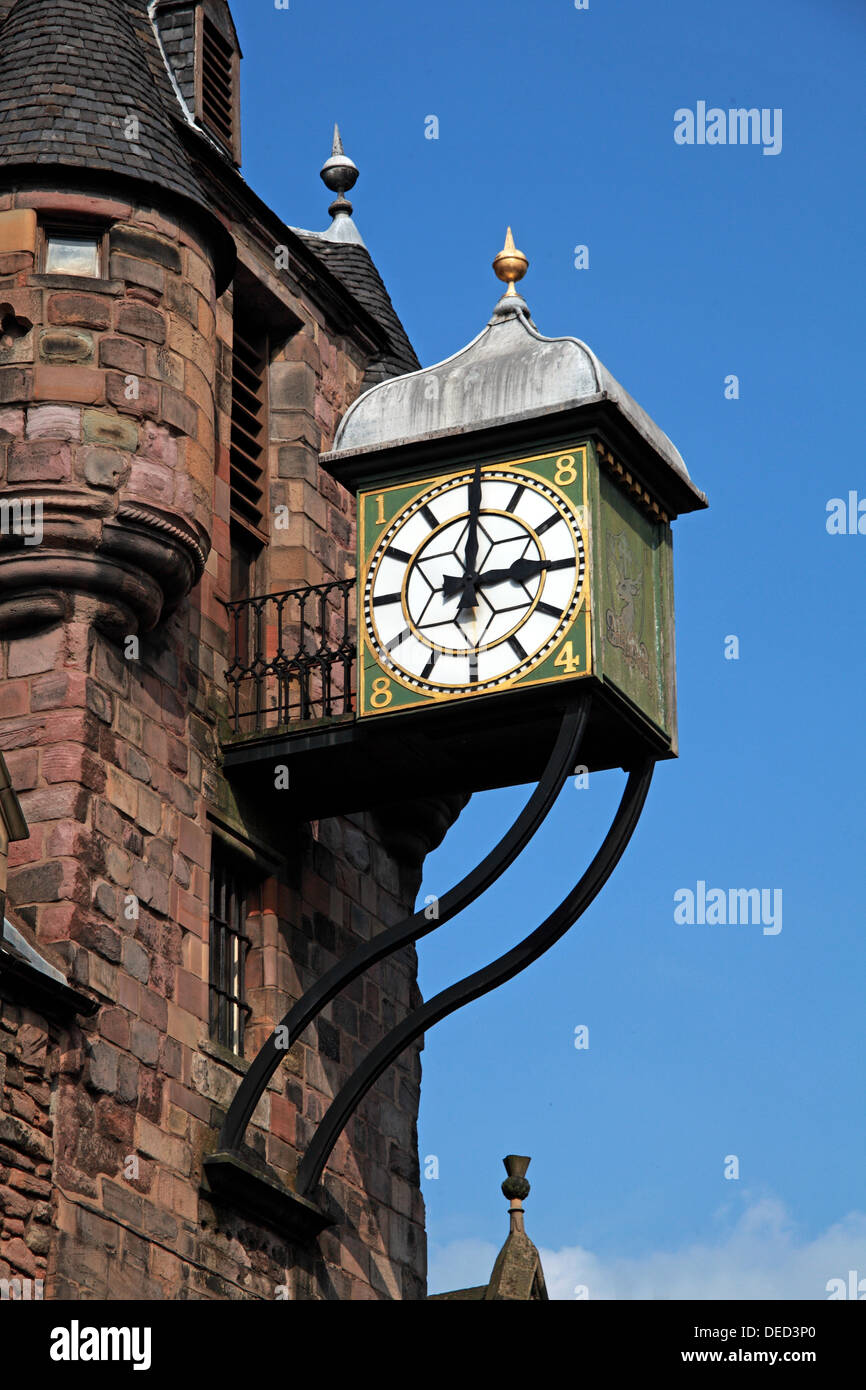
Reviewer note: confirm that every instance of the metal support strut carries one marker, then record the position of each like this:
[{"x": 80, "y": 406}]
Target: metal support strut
[
  {"x": 293, "y": 1023},
  {"x": 560, "y": 764},
  {"x": 481, "y": 982}
]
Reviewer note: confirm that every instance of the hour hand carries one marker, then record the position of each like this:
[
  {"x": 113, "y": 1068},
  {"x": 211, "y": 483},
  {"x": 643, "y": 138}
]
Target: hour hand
[{"x": 517, "y": 573}]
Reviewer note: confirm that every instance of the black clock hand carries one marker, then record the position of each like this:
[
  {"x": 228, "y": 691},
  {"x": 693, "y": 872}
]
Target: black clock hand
[
  {"x": 470, "y": 599},
  {"x": 520, "y": 571}
]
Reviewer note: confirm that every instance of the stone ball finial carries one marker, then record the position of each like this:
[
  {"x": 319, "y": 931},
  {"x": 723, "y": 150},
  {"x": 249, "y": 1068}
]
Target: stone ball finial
[{"x": 515, "y": 1186}]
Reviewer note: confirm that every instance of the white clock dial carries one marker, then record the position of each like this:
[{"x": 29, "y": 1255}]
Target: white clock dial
[{"x": 474, "y": 583}]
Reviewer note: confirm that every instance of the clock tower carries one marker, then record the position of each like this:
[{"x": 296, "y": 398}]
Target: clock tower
[
  {"x": 514, "y": 545},
  {"x": 513, "y": 615}
]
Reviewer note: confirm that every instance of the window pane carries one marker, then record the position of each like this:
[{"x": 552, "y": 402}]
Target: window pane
[
  {"x": 71, "y": 255},
  {"x": 229, "y": 944}
]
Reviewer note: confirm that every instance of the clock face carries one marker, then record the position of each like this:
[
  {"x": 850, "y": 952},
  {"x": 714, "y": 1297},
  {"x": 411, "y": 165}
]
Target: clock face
[{"x": 475, "y": 580}]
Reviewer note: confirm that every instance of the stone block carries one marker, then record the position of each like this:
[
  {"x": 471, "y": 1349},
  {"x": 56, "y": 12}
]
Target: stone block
[
  {"x": 123, "y": 354},
  {"x": 39, "y": 461},
  {"x": 141, "y": 321},
  {"x": 297, "y": 461},
  {"x": 136, "y": 960},
  {"x": 136, "y": 272},
  {"x": 199, "y": 275},
  {"x": 163, "y": 1147},
  {"x": 145, "y": 246},
  {"x": 16, "y": 1253},
  {"x": 53, "y": 422},
  {"x": 18, "y": 230},
  {"x": 183, "y": 1026},
  {"x": 84, "y": 385},
  {"x": 292, "y": 387},
  {"x": 158, "y": 443},
  {"x": 15, "y": 1134},
  {"x": 179, "y": 412},
  {"x": 127, "y": 1079},
  {"x": 149, "y": 811},
  {"x": 55, "y": 803},
  {"x": 11, "y": 422},
  {"x": 102, "y": 1068},
  {"x": 82, "y": 310},
  {"x": 110, "y": 430},
  {"x": 105, "y": 467},
  {"x": 168, "y": 366},
  {"x": 131, "y": 395},
  {"x": 144, "y": 1043},
  {"x": 60, "y": 345},
  {"x": 150, "y": 482},
  {"x": 182, "y": 298},
  {"x": 29, "y": 656},
  {"x": 122, "y": 792},
  {"x": 16, "y": 384},
  {"x": 105, "y": 901}
]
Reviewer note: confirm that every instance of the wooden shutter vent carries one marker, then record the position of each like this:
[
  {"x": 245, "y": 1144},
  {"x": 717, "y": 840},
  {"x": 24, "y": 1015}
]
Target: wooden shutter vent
[
  {"x": 217, "y": 83},
  {"x": 249, "y": 427}
]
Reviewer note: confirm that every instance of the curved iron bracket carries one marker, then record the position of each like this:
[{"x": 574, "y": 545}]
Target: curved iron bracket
[
  {"x": 229, "y": 1170},
  {"x": 293, "y": 1023},
  {"x": 480, "y": 982}
]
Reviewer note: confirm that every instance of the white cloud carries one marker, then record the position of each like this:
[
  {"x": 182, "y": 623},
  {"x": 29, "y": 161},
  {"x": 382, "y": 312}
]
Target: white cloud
[{"x": 760, "y": 1257}]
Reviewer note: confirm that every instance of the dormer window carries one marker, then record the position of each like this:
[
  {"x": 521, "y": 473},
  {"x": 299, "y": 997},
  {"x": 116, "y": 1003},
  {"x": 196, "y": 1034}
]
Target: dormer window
[
  {"x": 201, "y": 48},
  {"x": 217, "y": 72}
]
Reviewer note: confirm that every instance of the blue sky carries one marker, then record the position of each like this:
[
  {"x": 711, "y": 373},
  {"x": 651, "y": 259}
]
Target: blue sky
[{"x": 704, "y": 261}]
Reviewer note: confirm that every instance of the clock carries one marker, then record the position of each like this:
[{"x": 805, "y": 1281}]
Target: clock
[{"x": 474, "y": 582}]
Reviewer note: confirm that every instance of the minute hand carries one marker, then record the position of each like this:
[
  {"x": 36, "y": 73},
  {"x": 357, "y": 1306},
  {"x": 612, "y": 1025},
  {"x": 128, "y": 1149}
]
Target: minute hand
[{"x": 469, "y": 598}]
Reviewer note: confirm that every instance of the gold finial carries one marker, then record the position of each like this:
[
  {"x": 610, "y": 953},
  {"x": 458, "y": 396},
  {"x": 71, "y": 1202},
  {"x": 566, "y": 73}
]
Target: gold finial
[{"x": 510, "y": 264}]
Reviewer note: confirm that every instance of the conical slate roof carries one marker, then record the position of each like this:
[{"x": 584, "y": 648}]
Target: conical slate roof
[
  {"x": 354, "y": 266},
  {"x": 72, "y": 74}
]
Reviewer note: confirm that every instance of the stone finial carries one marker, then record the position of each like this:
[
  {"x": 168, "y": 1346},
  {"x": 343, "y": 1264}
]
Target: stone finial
[
  {"x": 339, "y": 173},
  {"x": 516, "y": 1187}
]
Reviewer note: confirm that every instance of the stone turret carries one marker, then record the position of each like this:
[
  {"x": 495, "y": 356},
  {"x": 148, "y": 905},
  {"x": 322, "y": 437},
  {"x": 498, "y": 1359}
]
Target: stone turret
[{"x": 110, "y": 266}]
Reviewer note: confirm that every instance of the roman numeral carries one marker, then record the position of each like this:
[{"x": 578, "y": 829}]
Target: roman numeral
[
  {"x": 430, "y": 517},
  {"x": 516, "y": 496},
  {"x": 473, "y": 667},
  {"x": 517, "y": 648},
  {"x": 386, "y": 598},
  {"x": 428, "y": 669},
  {"x": 394, "y": 554},
  {"x": 398, "y": 640},
  {"x": 546, "y": 525},
  {"x": 549, "y": 609}
]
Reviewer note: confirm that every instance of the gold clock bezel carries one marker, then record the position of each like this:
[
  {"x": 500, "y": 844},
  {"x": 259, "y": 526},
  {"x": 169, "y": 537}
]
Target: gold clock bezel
[{"x": 574, "y": 515}]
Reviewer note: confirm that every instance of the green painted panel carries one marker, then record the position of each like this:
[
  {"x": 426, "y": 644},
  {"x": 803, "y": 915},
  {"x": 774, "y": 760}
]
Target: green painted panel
[{"x": 633, "y": 589}]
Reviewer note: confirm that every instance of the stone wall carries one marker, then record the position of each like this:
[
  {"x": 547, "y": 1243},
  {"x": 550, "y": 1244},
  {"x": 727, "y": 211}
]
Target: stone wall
[
  {"x": 27, "y": 1201},
  {"x": 114, "y": 749}
]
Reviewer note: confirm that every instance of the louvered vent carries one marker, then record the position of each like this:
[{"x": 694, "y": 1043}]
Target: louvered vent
[
  {"x": 249, "y": 426},
  {"x": 217, "y": 83}
]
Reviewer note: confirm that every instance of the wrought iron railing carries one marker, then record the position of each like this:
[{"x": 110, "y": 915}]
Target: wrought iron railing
[{"x": 292, "y": 657}]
